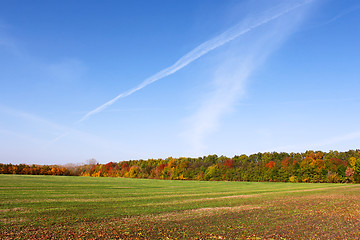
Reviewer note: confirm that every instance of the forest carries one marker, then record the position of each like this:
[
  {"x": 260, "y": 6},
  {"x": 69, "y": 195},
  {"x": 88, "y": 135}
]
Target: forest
[{"x": 310, "y": 166}]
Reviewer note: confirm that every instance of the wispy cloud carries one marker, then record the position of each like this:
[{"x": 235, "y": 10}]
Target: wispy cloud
[
  {"x": 28, "y": 140},
  {"x": 227, "y": 36},
  {"x": 67, "y": 70},
  {"x": 302, "y": 102},
  {"x": 58, "y": 70},
  {"x": 327, "y": 144},
  {"x": 29, "y": 117},
  {"x": 17, "y": 135},
  {"x": 7, "y": 42},
  {"x": 339, "y": 139},
  {"x": 229, "y": 80},
  {"x": 342, "y": 14}
]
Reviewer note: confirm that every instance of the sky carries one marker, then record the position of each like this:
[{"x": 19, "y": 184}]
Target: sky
[{"x": 139, "y": 79}]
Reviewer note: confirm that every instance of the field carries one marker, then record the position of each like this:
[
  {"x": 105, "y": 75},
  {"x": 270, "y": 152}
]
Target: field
[{"x": 40, "y": 207}]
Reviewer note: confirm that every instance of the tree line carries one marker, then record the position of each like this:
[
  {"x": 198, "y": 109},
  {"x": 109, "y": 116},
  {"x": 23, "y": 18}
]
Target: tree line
[{"x": 311, "y": 166}]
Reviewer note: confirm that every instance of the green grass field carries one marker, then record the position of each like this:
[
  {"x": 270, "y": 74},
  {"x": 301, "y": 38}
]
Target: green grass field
[{"x": 39, "y": 207}]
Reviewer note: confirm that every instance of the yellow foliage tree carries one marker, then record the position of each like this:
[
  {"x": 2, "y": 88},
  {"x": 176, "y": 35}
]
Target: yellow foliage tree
[{"x": 352, "y": 162}]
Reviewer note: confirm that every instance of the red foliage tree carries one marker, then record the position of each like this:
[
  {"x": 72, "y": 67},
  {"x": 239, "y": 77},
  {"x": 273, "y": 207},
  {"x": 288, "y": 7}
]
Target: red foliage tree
[
  {"x": 270, "y": 164},
  {"x": 335, "y": 163},
  {"x": 229, "y": 163},
  {"x": 125, "y": 167},
  {"x": 161, "y": 167},
  {"x": 285, "y": 162}
]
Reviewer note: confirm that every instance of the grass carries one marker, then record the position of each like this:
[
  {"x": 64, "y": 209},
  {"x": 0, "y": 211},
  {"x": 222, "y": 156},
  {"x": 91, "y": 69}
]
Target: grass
[{"x": 40, "y": 207}]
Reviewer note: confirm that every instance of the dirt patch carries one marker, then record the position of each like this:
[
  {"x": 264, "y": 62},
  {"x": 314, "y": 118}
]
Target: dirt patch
[
  {"x": 234, "y": 196},
  {"x": 191, "y": 214},
  {"x": 315, "y": 189},
  {"x": 223, "y": 209},
  {"x": 13, "y": 210},
  {"x": 13, "y": 220}
]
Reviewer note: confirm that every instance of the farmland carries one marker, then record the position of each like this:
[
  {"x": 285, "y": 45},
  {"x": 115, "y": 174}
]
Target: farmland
[{"x": 127, "y": 208}]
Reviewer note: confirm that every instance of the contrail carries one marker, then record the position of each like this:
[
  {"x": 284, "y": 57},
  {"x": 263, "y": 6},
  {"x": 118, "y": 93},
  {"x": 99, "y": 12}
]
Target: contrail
[{"x": 196, "y": 53}]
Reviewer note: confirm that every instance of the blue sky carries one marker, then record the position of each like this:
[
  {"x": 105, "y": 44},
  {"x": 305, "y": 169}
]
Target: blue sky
[{"x": 121, "y": 80}]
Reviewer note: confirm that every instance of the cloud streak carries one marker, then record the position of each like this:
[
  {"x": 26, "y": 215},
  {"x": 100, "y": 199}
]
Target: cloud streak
[
  {"x": 225, "y": 37},
  {"x": 231, "y": 75}
]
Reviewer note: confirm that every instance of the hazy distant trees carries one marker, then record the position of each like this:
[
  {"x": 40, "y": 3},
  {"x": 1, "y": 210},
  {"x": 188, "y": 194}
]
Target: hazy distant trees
[{"x": 34, "y": 169}]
